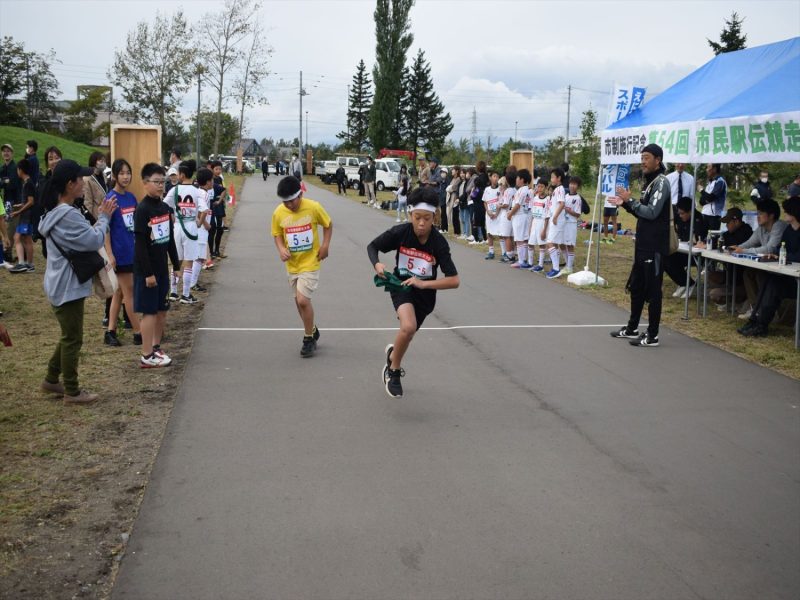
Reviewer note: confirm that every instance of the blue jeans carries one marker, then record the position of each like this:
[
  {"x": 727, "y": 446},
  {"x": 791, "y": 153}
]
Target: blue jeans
[{"x": 465, "y": 216}]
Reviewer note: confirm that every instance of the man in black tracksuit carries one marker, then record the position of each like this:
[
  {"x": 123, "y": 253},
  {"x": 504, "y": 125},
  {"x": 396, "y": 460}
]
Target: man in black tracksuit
[{"x": 651, "y": 249}]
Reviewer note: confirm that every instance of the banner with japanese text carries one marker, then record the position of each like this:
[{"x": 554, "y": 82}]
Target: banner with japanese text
[
  {"x": 762, "y": 138},
  {"x": 625, "y": 99},
  {"x": 613, "y": 176}
]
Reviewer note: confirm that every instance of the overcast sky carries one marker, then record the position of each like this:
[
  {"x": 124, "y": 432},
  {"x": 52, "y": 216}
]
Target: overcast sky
[{"x": 508, "y": 60}]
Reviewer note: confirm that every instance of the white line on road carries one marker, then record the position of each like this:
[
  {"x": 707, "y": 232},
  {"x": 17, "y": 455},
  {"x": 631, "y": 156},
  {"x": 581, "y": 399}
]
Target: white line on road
[{"x": 279, "y": 329}]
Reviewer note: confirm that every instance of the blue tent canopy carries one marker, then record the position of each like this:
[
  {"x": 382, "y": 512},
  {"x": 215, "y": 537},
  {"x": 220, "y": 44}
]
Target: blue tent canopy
[{"x": 739, "y": 107}]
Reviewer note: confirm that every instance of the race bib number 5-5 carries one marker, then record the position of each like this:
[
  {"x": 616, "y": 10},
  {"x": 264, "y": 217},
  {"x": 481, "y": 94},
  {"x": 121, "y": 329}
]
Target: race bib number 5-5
[
  {"x": 299, "y": 238},
  {"x": 415, "y": 262},
  {"x": 159, "y": 228}
]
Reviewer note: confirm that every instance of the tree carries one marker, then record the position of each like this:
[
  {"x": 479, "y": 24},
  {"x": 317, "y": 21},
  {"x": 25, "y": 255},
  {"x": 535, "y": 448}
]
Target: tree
[
  {"x": 731, "y": 38},
  {"x": 82, "y": 114},
  {"x": 589, "y": 153},
  {"x": 423, "y": 116},
  {"x": 551, "y": 154},
  {"x": 254, "y": 70},
  {"x": 173, "y": 135},
  {"x": 228, "y": 132},
  {"x": 221, "y": 38},
  {"x": 360, "y": 103},
  {"x": 503, "y": 154},
  {"x": 323, "y": 151},
  {"x": 392, "y": 41},
  {"x": 41, "y": 90},
  {"x": 456, "y": 154},
  {"x": 154, "y": 70},
  {"x": 12, "y": 81}
]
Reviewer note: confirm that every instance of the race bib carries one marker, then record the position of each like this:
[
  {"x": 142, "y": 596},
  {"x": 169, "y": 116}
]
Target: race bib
[
  {"x": 493, "y": 205},
  {"x": 159, "y": 229},
  {"x": 127, "y": 217},
  {"x": 300, "y": 238},
  {"x": 539, "y": 208},
  {"x": 187, "y": 209},
  {"x": 415, "y": 262}
]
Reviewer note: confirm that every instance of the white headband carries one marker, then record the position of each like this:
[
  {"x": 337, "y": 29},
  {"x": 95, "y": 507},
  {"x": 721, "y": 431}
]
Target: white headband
[
  {"x": 292, "y": 197},
  {"x": 423, "y": 206}
]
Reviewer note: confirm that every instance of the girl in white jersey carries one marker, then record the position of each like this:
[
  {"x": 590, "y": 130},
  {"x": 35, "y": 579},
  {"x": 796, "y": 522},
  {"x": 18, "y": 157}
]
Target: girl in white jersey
[
  {"x": 506, "y": 232},
  {"x": 539, "y": 206},
  {"x": 555, "y": 224},
  {"x": 491, "y": 200},
  {"x": 520, "y": 218},
  {"x": 572, "y": 212},
  {"x": 183, "y": 200}
]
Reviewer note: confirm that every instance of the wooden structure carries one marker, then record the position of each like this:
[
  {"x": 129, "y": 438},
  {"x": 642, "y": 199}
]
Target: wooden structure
[
  {"x": 139, "y": 145},
  {"x": 522, "y": 159}
]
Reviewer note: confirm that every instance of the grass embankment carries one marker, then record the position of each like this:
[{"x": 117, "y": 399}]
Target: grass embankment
[
  {"x": 17, "y": 137},
  {"x": 717, "y": 328},
  {"x": 72, "y": 478}
]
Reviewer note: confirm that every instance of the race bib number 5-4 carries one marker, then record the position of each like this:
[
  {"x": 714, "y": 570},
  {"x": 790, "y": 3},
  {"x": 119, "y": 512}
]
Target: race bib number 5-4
[
  {"x": 299, "y": 238},
  {"x": 159, "y": 228},
  {"x": 415, "y": 262}
]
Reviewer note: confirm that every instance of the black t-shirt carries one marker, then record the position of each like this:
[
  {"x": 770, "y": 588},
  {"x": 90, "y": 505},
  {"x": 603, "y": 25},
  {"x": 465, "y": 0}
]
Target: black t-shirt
[
  {"x": 414, "y": 258},
  {"x": 28, "y": 191},
  {"x": 738, "y": 237},
  {"x": 154, "y": 239}
]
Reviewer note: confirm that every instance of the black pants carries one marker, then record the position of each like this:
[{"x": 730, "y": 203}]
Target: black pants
[
  {"x": 644, "y": 284},
  {"x": 341, "y": 187},
  {"x": 675, "y": 267},
  {"x": 215, "y": 233},
  {"x": 775, "y": 289},
  {"x": 264, "y": 175},
  {"x": 443, "y": 216},
  {"x": 711, "y": 222}
]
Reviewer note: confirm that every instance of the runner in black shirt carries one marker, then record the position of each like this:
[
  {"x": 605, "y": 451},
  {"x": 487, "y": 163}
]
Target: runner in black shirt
[{"x": 421, "y": 252}]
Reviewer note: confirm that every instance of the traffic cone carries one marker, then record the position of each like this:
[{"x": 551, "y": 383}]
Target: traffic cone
[{"x": 232, "y": 194}]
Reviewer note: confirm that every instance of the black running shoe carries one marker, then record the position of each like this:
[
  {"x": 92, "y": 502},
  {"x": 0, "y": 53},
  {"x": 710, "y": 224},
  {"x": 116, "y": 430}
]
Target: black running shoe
[
  {"x": 199, "y": 288},
  {"x": 388, "y": 365},
  {"x": 137, "y": 339},
  {"x": 309, "y": 345},
  {"x": 626, "y": 333},
  {"x": 173, "y": 297},
  {"x": 110, "y": 339},
  {"x": 393, "y": 385},
  {"x": 645, "y": 342},
  {"x": 316, "y": 333}
]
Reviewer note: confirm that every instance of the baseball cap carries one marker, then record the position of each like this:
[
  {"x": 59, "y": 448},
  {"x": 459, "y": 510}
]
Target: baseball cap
[
  {"x": 172, "y": 171},
  {"x": 68, "y": 170},
  {"x": 9, "y": 146},
  {"x": 433, "y": 159},
  {"x": 733, "y": 213}
]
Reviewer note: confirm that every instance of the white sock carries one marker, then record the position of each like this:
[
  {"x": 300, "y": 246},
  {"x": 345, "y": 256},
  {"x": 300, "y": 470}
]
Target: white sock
[
  {"x": 187, "y": 281},
  {"x": 554, "y": 257},
  {"x": 541, "y": 257},
  {"x": 570, "y": 259},
  {"x": 523, "y": 253},
  {"x": 197, "y": 266},
  {"x": 173, "y": 283},
  {"x": 502, "y": 245}
]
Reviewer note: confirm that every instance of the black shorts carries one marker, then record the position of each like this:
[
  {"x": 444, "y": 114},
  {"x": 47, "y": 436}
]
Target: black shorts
[
  {"x": 423, "y": 306},
  {"x": 610, "y": 212},
  {"x": 150, "y": 301},
  {"x": 123, "y": 269}
]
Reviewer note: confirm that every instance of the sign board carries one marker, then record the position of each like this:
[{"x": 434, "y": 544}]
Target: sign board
[
  {"x": 139, "y": 145},
  {"x": 522, "y": 159}
]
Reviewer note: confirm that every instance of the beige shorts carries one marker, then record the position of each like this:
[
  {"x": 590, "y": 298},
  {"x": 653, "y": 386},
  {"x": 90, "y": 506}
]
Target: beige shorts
[{"x": 305, "y": 283}]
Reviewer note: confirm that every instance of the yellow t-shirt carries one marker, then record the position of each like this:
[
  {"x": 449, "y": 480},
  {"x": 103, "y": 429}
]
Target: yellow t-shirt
[{"x": 300, "y": 233}]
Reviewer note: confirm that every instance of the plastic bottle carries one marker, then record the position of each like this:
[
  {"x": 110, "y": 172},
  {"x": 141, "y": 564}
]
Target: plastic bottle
[{"x": 782, "y": 255}]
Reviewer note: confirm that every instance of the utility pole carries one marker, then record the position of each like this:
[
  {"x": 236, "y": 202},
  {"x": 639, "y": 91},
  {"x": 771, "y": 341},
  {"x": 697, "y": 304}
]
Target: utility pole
[
  {"x": 515, "y": 130},
  {"x": 197, "y": 125},
  {"x": 302, "y": 93},
  {"x": 348, "y": 114},
  {"x": 28, "y": 91},
  {"x": 474, "y": 130},
  {"x": 306, "y": 128},
  {"x": 566, "y": 139}
]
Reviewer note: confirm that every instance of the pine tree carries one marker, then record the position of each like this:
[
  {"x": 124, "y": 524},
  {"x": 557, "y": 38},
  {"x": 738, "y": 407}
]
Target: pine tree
[
  {"x": 731, "y": 38},
  {"x": 424, "y": 118},
  {"x": 392, "y": 41},
  {"x": 360, "y": 103}
]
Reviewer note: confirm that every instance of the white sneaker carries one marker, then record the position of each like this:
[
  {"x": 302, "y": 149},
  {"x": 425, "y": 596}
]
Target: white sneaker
[
  {"x": 566, "y": 271},
  {"x": 745, "y": 316},
  {"x": 154, "y": 361},
  {"x": 471, "y": 238},
  {"x": 687, "y": 292},
  {"x": 397, "y": 220},
  {"x": 679, "y": 292}
]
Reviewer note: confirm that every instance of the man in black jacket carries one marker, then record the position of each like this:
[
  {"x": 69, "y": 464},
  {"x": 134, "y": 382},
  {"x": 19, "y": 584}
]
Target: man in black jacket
[{"x": 651, "y": 249}]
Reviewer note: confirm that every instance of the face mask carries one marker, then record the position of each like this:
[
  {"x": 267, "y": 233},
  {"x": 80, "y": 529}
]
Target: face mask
[{"x": 763, "y": 180}]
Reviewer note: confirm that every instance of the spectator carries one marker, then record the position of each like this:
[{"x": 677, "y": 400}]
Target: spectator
[
  {"x": 681, "y": 184},
  {"x": 713, "y": 197},
  {"x": 424, "y": 172},
  {"x": 479, "y": 208},
  {"x": 296, "y": 167},
  {"x": 452, "y": 200},
  {"x": 675, "y": 265},
  {"x": 175, "y": 159},
  {"x": 651, "y": 247},
  {"x": 23, "y": 239},
  {"x": 9, "y": 183},
  {"x": 794, "y": 187},
  {"x": 96, "y": 187},
  {"x": 32, "y": 147},
  {"x": 777, "y": 287},
  {"x": 51, "y": 156},
  {"x": 65, "y": 228},
  {"x": 119, "y": 246},
  {"x": 466, "y": 203},
  {"x": 444, "y": 222},
  {"x": 434, "y": 175},
  {"x": 762, "y": 190},
  {"x": 341, "y": 180},
  {"x": 369, "y": 182},
  {"x": 765, "y": 240},
  {"x": 218, "y": 212},
  {"x": 264, "y": 169},
  {"x": 172, "y": 180}
]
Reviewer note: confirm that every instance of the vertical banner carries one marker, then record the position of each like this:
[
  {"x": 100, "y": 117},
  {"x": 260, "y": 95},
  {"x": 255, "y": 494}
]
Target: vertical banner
[{"x": 624, "y": 100}]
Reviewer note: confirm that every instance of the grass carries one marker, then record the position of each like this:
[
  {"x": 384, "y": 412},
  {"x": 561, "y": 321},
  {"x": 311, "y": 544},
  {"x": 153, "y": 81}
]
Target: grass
[
  {"x": 71, "y": 478},
  {"x": 775, "y": 352},
  {"x": 17, "y": 137}
]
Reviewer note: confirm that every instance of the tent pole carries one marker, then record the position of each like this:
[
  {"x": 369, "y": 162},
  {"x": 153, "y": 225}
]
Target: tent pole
[
  {"x": 594, "y": 216},
  {"x": 690, "y": 258}
]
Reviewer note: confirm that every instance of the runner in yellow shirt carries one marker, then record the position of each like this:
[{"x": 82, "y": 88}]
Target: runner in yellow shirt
[{"x": 295, "y": 226}]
